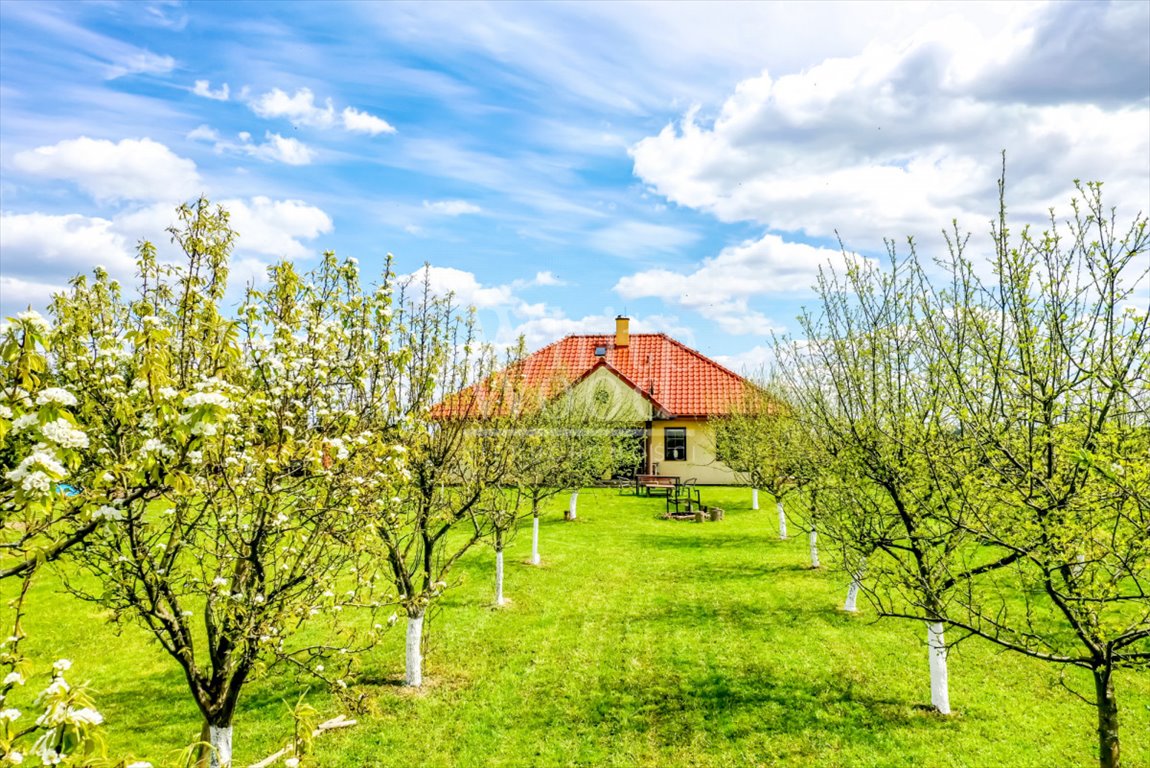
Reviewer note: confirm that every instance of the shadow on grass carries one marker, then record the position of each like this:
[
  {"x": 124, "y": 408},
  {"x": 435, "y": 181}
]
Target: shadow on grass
[
  {"x": 685, "y": 541},
  {"x": 713, "y": 572},
  {"x": 742, "y": 616},
  {"x": 673, "y": 709},
  {"x": 162, "y": 702}
]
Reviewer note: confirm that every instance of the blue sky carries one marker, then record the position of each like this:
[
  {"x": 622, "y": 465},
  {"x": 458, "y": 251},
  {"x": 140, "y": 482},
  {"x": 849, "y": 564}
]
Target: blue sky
[{"x": 559, "y": 163}]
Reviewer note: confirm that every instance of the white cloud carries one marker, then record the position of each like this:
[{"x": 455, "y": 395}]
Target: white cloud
[
  {"x": 547, "y": 278},
  {"x": 203, "y": 133},
  {"x": 275, "y": 148},
  {"x": 537, "y": 332},
  {"x": 39, "y": 245},
  {"x": 279, "y": 149},
  {"x": 720, "y": 287},
  {"x": 451, "y": 207},
  {"x": 132, "y": 169},
  {"x": 635, "y": 239},
  {"x": 204, "y": 88},
  {"x": 506, "y": 316},
  {"x": 749, "y": 363},
  {"x": 275, "y": 227},
  {"x": 17, "y": 294},
  {"x": 42, "y": 251},
  {"x": 467, "y": 289},
  {"x": 299, "y": 108},
  {"x": 363, "y": 122},
  {"x": 139, "y": 63},
  {"x": 895, "y": 141}
]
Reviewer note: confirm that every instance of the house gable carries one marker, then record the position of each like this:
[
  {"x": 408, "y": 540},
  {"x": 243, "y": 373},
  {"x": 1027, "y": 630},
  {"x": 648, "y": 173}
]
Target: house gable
[{"x": 624, "y": 401}]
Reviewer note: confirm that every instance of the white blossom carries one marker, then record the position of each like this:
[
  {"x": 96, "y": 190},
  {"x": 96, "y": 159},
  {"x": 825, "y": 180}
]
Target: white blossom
[
  {"x": 62, "y": 665},
  {"x": 85, "y": 715},
  {"x": 32, "y": 317},
  {"x": 58, "y": 687},
  {"x": 36, "y": 472},
  {"x": 23, "y": 422},
  {"x": 15, "y": 757},
  {"x": 5, "y": 412},
  {"x": 207, "y": 398},
  {"x": 55, "y": 395},
  {"x": 13, "y": 678},
  {"x": 9, "y": 714},
  {"x": 107, "y": 513},
  {"x": 157, "y": 446},
  {"x": 64, "y": 434}
]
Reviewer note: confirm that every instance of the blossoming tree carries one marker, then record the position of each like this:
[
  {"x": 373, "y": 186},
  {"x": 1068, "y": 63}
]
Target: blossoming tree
[
  {"x": 254, "y": 431},
  {"x": 457, "y": 448}
]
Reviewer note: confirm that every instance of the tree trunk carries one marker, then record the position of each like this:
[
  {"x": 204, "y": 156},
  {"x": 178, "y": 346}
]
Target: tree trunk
[
  {"x": 814, "y": 538},
  {"x": 414, "y": 666},
  {"x": 754, "y": 498},
  {"x": 499, "y": 577},
  {"x": 574, "y": 503},
  {"x": 939, "y": 685},
  {"x": 853, "y": 591},
  {"x": 535, "y": 540},
  {"x": 782, "y": 520},
  {"x": 220, "y": 740},
  {"x": 1108, "y": 752}
]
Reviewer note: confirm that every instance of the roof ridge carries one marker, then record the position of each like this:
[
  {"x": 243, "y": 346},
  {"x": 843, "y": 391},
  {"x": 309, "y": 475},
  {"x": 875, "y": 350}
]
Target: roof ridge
[
  {"x": 702, "y": 357},
  {"x": 612, "y": 333}
]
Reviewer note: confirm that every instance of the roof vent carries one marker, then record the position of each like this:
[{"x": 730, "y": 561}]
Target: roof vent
[{"x": 600, "y": 351}]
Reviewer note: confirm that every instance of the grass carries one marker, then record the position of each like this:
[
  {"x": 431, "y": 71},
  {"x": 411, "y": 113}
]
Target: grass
[{"x": 638, "y": 642}]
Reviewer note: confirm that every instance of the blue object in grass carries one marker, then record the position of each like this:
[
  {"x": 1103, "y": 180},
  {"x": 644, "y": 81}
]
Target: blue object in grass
[{"x": 67, "y": 490}]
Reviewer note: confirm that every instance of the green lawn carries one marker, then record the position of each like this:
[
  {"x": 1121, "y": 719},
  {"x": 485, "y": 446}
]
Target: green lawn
[{"x": 638, "y": 642}]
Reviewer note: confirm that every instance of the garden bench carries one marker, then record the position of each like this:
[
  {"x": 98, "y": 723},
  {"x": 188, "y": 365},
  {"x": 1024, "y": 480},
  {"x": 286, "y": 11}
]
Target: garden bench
[{"x": 664, "y": 484}]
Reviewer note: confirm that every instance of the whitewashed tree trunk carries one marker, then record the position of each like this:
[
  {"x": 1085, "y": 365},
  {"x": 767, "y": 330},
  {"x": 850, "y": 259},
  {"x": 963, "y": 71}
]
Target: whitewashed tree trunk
[
  {"x": 782, "y": 520},
  {"x": 572, "y": 507},
  {"x": 814, "y": 539},
  {"x": 220, "y": 739},
  {"x": 413, "y": 677},
  {"x": 754, "y": 498},
  {"x": 853, "y": 590},
  {"x": 939, "y": 685},
  {"x": 535, "y": 541},
  {"x": 499, "y": 577}
]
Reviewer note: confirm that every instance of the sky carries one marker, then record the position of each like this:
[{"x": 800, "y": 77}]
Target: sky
[{"x": 691, "y": 165}]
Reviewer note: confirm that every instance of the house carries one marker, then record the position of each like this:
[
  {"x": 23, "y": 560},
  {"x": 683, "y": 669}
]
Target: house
[{"x": 667, "y": 389}]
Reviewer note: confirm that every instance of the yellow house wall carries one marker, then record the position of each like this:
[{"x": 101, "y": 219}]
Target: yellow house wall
[
  {"x": 701, "y": 463},
  {"x": 626, "y": 404}
]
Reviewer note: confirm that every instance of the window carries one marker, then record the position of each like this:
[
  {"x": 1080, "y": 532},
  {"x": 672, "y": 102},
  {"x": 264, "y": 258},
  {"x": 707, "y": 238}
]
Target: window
[
  {"x": 675, "y": 444},
  {"x": 602, "y": 399}
]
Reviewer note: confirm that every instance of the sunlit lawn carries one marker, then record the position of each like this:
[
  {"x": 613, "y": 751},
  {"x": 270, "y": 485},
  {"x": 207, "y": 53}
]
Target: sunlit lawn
[{"x": 638, "y": 642}]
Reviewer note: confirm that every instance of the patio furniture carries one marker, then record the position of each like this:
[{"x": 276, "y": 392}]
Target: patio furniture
[
  {"x": 656, "y": 484},
  {"x": 684, "y": 493}
]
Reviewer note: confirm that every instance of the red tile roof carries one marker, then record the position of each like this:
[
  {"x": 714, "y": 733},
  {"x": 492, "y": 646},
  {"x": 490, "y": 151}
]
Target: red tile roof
[{"x": 678, "y": 380}]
